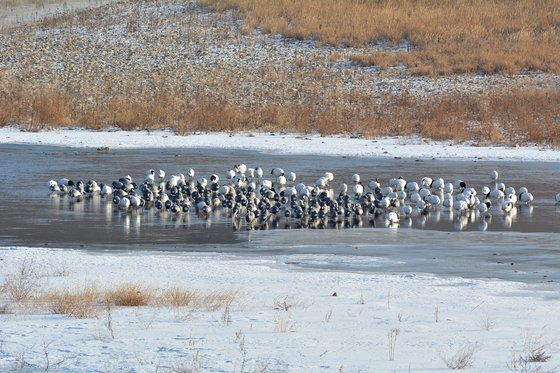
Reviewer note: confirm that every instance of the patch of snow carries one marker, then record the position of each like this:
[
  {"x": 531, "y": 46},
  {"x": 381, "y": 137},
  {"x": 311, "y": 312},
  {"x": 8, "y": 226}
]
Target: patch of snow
[
  {"x": 319, "y": 332},
  {"x": 387, "y": 147}
]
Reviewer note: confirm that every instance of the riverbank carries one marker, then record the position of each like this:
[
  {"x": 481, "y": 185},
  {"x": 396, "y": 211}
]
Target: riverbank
[{"x": 279, "y": 319}]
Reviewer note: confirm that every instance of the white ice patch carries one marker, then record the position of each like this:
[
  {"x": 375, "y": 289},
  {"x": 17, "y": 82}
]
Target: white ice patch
[{"x": 388, "y": 147}]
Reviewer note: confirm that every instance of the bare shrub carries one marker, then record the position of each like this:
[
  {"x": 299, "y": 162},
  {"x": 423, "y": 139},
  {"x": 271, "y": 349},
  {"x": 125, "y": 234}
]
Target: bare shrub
[
  {"x": 521, "y": 363},
  {"x": 361, "y": 300},
  {"x": 487, "y": 323},
  {"x": 49, "y": 363},
  {"x": 226, "y": 315},
  {"x": 392, "y": 337},
  {"x": 536, "y": 350},
  {"x": 108, "y": 322},
  {"x": 283, "y": 323},
  {"x": 80, "y": 303},
  {"x": 284, "y": 303},
  {"x": 240, "y": 340},
  {"x": 539, "y": 354},
  {"x": 129, "y": 295},
  {"x": 20, "y": 285},
  {"x": 192, "y": 367},
  {"x": 462, "y": 359}
]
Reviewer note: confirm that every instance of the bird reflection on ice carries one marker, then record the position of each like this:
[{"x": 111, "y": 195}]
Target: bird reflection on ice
[
  {"x": 133, "y": 220},
  {"x": 249, "y": 199}
]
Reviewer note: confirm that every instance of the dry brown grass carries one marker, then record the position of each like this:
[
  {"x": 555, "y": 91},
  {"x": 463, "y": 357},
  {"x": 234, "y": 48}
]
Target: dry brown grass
[
  {"x": 516, "y": 117},
  {"x": 216, "y": 300},
  {"x": 195, "y": 299},
  {"x": 129, "y": 295},
  {"x": 178, "y": 297},
  {"x": 81, "y": 303},
  {"x": 444, "y": 37},
  {"x": 22, "y": 288}
]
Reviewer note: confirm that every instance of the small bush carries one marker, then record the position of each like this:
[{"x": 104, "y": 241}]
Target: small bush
[
  {"x": 462, "y": 359},
  {"x": 216, "y": 300},
  {"x": 80, "y": 304},
  {"x": 129, "y": 295},
  {"x": 487, "y": 323},
  {"x": 178, "y": 297},
  {"x": 20, "y": 285}
]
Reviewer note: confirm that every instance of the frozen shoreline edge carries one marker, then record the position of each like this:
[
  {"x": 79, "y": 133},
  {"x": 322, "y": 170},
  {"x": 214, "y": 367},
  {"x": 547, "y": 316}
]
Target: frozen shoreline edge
[{"x": 312, "y": 144}]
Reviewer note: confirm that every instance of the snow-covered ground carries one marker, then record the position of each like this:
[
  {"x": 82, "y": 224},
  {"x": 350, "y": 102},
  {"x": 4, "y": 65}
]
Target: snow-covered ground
[
  {"x": 405, "y": 147},
  {"x": 435, "y": 318}
]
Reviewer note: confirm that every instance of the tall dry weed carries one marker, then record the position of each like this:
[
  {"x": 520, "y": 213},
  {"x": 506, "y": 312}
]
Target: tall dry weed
[
  {"x": 81, "y": 303},
  {"x": 129, "y": 295},
  {"x": 520, "y": 116}
]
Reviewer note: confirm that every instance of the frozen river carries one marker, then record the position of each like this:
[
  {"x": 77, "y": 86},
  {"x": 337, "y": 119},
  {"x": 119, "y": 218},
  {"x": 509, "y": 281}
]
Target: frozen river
[{"x": 521, "y": 246}]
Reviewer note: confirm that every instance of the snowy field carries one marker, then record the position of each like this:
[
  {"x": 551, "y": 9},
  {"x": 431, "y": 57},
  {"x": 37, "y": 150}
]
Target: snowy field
[
  {"x": 405, "y": 147},
  {"x": 500, "y": 323}
]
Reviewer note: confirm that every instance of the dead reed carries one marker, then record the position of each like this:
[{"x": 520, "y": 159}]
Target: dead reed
[
  {"x": 81, "y": 303},
  {"x": 129, "y": 295},
  {"x": 196, "y": 299},
  {"x": 429, "y": 37},
  {"x": 516, "y": 117},
  {"x": 89, "y": 301}
]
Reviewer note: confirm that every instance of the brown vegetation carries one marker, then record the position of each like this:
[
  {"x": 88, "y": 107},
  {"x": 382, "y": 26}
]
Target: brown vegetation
[
  {"x": 128, "y": 295},
  {"x": 520, "y": 116},
  {"x": 82, "y": 303},
  {"x": 172, "y": 66},
  {"x": 182, "y": 297},
  {"x": 88, "y": 301},
  {"x": 431, "y": 37}
]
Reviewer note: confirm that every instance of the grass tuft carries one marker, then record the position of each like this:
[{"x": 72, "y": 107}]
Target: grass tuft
[
  {"x": 80, "y": 303},
  {"x": 462, "y": 359},
  {"x": 129, "y": 295}
]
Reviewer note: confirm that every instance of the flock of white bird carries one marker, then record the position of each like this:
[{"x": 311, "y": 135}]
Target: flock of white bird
[{"x": 250, "y": 196}]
